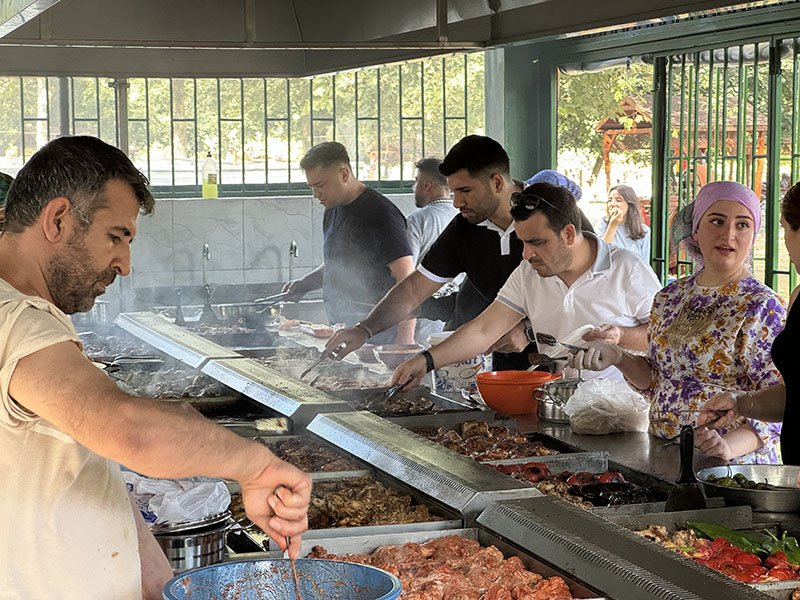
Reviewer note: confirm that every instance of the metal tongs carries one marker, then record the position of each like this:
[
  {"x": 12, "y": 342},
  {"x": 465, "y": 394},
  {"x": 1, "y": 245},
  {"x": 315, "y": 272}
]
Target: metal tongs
[
  {"x": 314, "y": 365},
  {"x": 549, "y": 340},
  {"x": 270, "y": 301},
  {"x": 396, "y": 388}
]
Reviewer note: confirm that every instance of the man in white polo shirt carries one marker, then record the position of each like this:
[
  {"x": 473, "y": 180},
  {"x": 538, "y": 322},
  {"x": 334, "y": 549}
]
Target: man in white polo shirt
[{"x": 568, "y": 279}]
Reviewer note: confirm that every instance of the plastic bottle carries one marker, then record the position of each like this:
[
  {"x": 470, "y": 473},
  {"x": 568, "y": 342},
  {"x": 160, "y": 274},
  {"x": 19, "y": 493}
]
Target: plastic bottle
[{"x": 209, "y": 177}]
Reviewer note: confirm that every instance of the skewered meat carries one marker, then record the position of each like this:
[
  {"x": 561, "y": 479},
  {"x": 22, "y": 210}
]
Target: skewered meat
[
  {"x": 362, "y": 501},
  {"x": 481, "y": 441},
  {"x": 309, "y": 456},
  {"x": 456, "y": 568}
]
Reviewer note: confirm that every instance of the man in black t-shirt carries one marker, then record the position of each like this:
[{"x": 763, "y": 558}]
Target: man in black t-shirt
[
  {"x": 365, "y": 246},
  {"x": 480, "y": 242}
]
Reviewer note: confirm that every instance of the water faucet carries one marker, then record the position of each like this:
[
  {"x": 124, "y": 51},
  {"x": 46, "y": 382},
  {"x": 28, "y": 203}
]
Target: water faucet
[
  {"x": 206, "y": 258},
  {"x": 293, "y": 253}
]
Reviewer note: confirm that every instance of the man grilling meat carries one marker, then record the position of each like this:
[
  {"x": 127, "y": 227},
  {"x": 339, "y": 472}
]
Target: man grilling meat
[{"x": 69, "y": 527}]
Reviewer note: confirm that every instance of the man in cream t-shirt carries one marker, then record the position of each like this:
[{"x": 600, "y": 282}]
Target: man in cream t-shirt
[{"x": 69, "y": 529}]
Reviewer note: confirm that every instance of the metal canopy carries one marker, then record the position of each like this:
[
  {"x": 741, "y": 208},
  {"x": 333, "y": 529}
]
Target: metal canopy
[{"x": 292, "y": 38}]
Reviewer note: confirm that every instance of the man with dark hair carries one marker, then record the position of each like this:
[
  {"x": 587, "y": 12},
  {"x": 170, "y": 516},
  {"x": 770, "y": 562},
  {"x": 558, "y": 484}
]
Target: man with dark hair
[
  {"x": 480, "y": 241},
  {"x": 365, "y": 247},
  {"x": 65, "y": 427},
  {"x": 435, "y": 211},
  {"x": 568, "y": 279}
]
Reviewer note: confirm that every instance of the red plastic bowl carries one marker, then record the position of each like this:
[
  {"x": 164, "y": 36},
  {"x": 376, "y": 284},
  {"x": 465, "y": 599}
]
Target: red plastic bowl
[{"x": 511, "y": 392}]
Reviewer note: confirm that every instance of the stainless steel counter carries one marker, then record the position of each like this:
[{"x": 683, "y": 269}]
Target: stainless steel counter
[{"x": 637, "y": 451}]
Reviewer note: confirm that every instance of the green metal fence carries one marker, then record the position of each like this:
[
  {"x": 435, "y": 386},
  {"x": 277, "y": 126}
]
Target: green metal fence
[{"x": 256, "y": 129}]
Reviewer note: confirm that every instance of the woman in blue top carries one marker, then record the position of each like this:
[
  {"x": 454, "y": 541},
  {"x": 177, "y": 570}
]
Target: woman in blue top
[{"x": 624, "y": 226}]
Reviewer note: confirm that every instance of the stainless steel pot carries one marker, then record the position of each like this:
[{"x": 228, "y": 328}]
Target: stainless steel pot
[
  {"x": 552, "y": 397},
  {"x": 198, "y": 544}
]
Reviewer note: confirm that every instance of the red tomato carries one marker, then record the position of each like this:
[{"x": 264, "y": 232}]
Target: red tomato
[
  {"x": 748, "y": 558},
  {"x": 720, "y": 544},
  {"x": 729, "y": 554},
  {"x": 777, "y": 559},
  {"x": 749, "y": 574},
  {"x": 781, "y": 574}
]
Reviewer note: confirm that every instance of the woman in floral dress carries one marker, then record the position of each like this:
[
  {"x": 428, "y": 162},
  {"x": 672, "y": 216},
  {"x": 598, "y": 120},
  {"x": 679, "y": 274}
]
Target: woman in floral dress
[{"x": 709, "y": 332}]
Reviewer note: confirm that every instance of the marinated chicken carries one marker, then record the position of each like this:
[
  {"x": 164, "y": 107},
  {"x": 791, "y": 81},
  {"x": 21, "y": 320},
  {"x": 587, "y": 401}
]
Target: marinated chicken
[
  {"x": 480, "y": 441},
  {"x": 457, "y": 568},
  {"x": 309, "y": 456},
  {"x": 362, "y": 501}
]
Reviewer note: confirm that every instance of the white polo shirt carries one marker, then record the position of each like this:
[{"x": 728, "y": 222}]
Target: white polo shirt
[{"x": 618, "y": 289}]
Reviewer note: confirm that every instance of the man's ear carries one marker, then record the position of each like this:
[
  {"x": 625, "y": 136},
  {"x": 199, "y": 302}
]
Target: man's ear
[
  {"x": 344, "y": 174},
  {"x": 56, "y": 219},
  {"x": 569, "y": 233}
]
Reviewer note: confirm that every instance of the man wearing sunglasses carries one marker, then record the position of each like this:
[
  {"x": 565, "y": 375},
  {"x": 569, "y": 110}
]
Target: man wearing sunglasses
[{"x": 568, "y": 279}]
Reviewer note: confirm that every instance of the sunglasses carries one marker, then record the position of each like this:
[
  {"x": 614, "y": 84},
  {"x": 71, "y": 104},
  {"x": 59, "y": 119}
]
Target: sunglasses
[{"x": 532, "y": 202}]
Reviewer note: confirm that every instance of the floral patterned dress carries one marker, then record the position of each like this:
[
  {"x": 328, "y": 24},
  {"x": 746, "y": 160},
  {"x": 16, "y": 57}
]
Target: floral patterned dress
[{"x": 704, "y": 341}]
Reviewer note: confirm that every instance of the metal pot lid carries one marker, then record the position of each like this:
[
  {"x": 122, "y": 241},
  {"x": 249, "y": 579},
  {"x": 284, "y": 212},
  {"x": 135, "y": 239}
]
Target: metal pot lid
[{"x": 209, "y": 521}]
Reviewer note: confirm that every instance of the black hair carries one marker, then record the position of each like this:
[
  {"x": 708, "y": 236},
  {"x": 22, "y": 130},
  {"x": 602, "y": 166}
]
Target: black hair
[
  {"x": 790, "y": 207},
  {"x": 77, "y": 168},
  {"x": 559, "y": 206},
  {"x": 479, "y": 155},
  {"x": 429, "y": 167},
  {"x": 324, "y": 155}
]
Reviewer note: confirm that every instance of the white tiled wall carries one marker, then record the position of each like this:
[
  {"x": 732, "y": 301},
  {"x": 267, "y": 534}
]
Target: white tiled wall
[{"x": 248, "y": 239}]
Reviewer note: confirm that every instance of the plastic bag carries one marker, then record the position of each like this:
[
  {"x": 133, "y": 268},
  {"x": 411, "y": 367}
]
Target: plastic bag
[
  {"x": 601, "y": 406},
  {"x": 175, "y": 501}
]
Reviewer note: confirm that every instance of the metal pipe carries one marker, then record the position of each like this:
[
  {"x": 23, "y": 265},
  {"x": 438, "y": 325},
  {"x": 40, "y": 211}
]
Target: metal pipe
[{"x": 293, "y": 253}]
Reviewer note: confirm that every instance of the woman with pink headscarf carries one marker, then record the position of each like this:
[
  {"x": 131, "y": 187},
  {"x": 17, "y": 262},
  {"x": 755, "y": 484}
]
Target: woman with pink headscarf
[{"x": 709, "y": 332}]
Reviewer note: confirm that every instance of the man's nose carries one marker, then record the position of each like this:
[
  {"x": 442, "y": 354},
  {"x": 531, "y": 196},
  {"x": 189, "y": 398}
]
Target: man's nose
[{"x": 122, "y": 262}]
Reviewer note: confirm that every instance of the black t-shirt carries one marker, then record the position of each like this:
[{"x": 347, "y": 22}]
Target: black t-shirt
[
  {"x": 783, "y": 355},
  {"x": 359, "y": 241},
  {"x": 475, "y": 250}
]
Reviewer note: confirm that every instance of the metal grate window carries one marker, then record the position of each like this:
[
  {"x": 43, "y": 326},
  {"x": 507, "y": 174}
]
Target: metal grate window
[{"x": 257, "y": 130}]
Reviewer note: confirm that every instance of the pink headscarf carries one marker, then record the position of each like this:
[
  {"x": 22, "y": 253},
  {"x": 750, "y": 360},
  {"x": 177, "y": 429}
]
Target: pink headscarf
[{"x": 688, "y": 220}]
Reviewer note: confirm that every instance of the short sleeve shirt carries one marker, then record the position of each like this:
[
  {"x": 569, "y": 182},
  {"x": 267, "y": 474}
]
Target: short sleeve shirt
[
  {"x": 487, "y": 254},
  {"x": 618, "y": 289},
  {"x": 360, "y": 240},
  {"x": 67, "y": 528}
]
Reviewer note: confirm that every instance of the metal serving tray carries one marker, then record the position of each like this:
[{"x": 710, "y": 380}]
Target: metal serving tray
[
  {"x": 362, "y": 544},
  {"x": 455, "y": 481},
  {"x": 322, "y": 475},
  {"x": 285, "y": 395},
  {"x": 606, "y": 556},
  {"x": 188, "y": 347},
  {"x": 452, "y": 520}
]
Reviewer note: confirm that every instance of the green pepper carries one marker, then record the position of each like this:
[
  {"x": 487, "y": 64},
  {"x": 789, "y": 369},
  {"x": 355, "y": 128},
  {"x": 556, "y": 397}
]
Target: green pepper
[
  {"x": 786, "y": 544},
  {"x": 749, "y": 542}
]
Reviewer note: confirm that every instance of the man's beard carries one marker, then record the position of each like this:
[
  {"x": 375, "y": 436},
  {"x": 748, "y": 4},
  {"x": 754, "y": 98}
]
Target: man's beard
[{"x": 71, "y": 279}]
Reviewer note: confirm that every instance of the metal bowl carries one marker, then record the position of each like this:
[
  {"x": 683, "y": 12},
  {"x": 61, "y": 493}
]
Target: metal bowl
[
  {"x": 272, "y": 580},
  {"x": 784, "y": 499}
]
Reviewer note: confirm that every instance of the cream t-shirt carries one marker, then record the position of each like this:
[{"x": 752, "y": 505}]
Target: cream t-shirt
[{"x": 66, "y": 524}]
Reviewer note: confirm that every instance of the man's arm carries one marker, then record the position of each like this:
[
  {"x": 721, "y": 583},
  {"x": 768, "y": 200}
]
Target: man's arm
[
  {"x": 402, "y": 268},
  {"x": 60, "y": 385},
  {"x": 397, "y": 304},
  {"x": 470, "y": 339}
]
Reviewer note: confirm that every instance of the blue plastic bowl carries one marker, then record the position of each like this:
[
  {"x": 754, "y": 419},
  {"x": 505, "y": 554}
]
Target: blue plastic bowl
[{"x": 272, "y": 580}]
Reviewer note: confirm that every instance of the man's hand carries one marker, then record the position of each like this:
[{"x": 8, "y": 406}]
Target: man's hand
[
  {"x": 344, "y": 341},
  {"x": 598, "y": 357},
  {"x": 711, "y": 415},
  {"x": 513, "y": 341},
  {"x": 711, "y": 443},
  {"x": 605, "y": 333},
  {"x": 296, "y": 289},
  {"x": 410, "y": 373},
  {"x": 276, "y": 500}
]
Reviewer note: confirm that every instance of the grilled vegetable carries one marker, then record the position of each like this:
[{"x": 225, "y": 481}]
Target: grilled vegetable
[{"x": 744, "y": 541}]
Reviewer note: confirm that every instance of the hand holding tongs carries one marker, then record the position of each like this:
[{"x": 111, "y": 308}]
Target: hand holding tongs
[
  {"x": 270, "y": 300},
  {"x": 393, "y": 390},
  {"x": 549, "y": 340}
]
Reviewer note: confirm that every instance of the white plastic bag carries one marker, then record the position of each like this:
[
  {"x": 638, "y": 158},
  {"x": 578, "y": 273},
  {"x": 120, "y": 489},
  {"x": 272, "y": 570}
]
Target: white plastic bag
[
  {"x": 601, "y": 406},
  {"x": 177, "y": 500}
]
